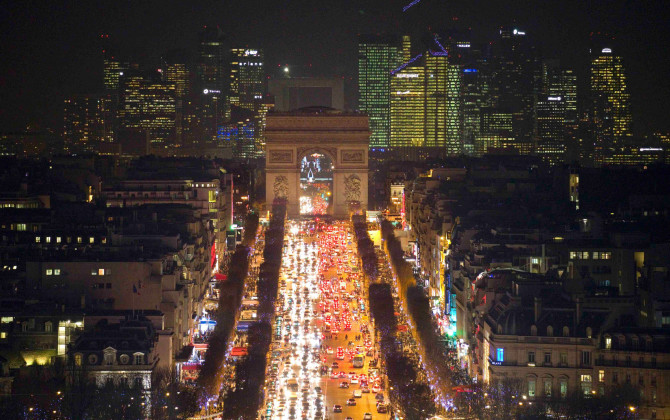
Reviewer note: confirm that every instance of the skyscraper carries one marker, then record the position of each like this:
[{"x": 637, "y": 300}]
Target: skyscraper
[
  {"x": 495, "y": 130},
  {"x": 551, "y": 129},
  {"x": 83, "y": 122},
  {"x": 425, "y": 103},
  {"x": 377, "y": 57},
  {"x": 175, "y": 70},
  {"x": 247, "y": 92},
  {"x": 408, "y": 107},
  {"x": 247, "y": 78},
  {"x": 611, "y": 103},
  {"x": 406, "y": 48},
  {"x": 211, "y": 59},
  {"x": 113, "y": 69},
  {"x": 211, "y": 72},
  {"x": 442, "y": 84},
  {"x": 561, "y": 81},
  {"x": 148, "y": 104},
  {"x": 558, "y": 97},
  {"x": 514, "y": 82}
]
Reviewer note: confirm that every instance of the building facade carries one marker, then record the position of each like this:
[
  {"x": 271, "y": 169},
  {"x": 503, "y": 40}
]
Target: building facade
[{"x": 377, "y": 57}]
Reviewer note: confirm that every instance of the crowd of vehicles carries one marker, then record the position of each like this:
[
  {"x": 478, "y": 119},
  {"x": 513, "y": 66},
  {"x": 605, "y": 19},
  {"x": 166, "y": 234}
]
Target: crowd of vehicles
[{"x": 322, "y": 359}]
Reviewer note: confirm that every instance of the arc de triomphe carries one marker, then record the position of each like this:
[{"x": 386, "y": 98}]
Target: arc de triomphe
[{"x": 342, "y": 136}]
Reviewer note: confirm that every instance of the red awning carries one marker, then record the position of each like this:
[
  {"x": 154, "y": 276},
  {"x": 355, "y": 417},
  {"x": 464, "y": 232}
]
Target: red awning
[
  {"x": 402, "y": 328},
  {"x": 239, "y": 351},
  {"x": 219, "y": 276},
  {"x": 190, "y": 367}
]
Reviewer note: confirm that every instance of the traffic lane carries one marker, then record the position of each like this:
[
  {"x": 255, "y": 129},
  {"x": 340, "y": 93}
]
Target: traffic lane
[
  {"x": 336, "y": 395},
  {"x": 366, "y": 404}
]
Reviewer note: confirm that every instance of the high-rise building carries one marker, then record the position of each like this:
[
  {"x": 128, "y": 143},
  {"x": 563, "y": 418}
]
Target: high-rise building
[
  {"x": 259, "y": 120},
  {"x": 130, "y": 99},
  {"x": 611, "y": 103},
  {"x": 84, "y": 122},
  {"x": 560, "y": 81},
  {"x": 211, "y": 78},
  {"x": 247, "y": 78},
  {"x": 406, "y": 49},
  {"x": 408, "y": 107},
  {"x": 514, "y": 82},
  {"x": 247, "y": 92},
  {"x": 159, "y": 113},
  {"x": 551, "y": 129},
  {"x": 175, "y": 70},
  {"x": 112, "y": 71},
  {"x": 377, "y": 57},
  {"x": 495, "y": 130},
  {"x": 558, "y": 96},
  {"x": 211, "y": 62},
  {"x": 442, "y": 84},
  {"x": 474, "y": 86},
  {"x": 426, "y": 103},
  {"x": 148, "y": 104}
]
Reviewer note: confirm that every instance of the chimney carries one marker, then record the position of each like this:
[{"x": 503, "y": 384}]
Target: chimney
[
  {"x": 538, "y": 308},
  {"x": 578, "y": 310}
]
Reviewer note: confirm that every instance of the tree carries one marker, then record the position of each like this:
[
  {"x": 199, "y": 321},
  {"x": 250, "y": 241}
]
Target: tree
[
  {"x": 117, "y": 401},
  {"x": 170, "y": 399}
]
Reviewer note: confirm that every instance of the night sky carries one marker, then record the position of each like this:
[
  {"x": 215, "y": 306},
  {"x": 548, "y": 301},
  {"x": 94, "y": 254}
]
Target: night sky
[{"x": 49, "y": 49}]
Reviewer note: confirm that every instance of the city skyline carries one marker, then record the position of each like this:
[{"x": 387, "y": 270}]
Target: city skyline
[{"x": 52, "y": 53}]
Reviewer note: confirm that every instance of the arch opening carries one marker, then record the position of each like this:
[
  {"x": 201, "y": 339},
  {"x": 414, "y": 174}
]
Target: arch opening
[{"x": 316, "y": 184}]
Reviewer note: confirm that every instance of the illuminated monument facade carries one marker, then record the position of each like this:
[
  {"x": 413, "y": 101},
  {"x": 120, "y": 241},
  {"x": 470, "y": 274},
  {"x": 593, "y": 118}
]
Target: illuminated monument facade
[{"x": 341, "y": 136}]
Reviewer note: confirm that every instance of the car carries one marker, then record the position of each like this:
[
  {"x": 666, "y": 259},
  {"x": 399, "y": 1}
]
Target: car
[
  {"x": 335, "y": 365},
  {"x": 329, "y": 350},
  {"x": 379, "y": 397},
  {"x": 348, "y": 418},
  {"x": 365, "y": 390},
  {"x": 351, "y": 401},
  {"x": 367, "y": 416},
  {"x": 381, "y": 408},
  {"x": 358, "y": 393},
  {"x": 344, "y": 384},
  {"x": 354, "y": 380},
  {"x": 337, "y": 408}
]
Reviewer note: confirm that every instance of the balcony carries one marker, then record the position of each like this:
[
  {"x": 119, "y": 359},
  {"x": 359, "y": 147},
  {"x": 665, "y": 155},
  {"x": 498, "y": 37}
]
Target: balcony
[{"x": 633, "y": 364}]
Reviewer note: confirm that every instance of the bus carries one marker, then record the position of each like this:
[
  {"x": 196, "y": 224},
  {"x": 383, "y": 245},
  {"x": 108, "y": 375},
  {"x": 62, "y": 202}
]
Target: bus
[{"x": 359, "y": 361}]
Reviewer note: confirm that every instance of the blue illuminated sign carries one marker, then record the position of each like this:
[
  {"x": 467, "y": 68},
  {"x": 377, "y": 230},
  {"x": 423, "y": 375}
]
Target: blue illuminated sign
[{"x": 470, "y": 70}]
